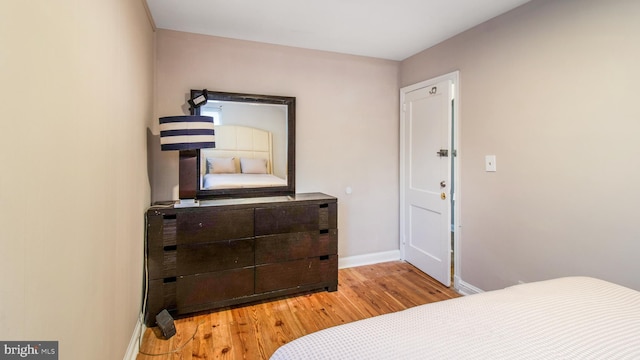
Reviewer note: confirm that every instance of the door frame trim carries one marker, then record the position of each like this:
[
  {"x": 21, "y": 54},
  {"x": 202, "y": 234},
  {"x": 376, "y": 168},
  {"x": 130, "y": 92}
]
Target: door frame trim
[{"x": 457, "y": 229}]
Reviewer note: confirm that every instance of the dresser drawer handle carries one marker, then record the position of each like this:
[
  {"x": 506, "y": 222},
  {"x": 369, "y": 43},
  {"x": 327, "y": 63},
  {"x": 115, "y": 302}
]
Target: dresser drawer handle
[{"x": 324, "y": 257}]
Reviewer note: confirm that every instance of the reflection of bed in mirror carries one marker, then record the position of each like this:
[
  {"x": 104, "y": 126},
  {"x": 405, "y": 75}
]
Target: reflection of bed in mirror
[{"x": 242, "y": 158}]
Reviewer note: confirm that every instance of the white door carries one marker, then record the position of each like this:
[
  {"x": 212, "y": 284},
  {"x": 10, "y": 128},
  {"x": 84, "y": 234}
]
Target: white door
[{"x": 425, "y": 157}]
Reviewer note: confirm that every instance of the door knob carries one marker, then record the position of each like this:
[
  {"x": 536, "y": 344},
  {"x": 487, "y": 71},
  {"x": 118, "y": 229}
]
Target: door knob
[{"x": 443, "y": 184}]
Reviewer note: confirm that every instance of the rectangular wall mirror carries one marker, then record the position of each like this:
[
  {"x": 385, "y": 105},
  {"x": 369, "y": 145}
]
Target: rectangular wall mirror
[{"x": 255, "y": 146}]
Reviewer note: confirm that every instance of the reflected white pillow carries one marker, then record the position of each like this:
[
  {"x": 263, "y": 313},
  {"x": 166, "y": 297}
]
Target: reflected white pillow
[
  {"x": 221, "y": 165},
  {"x": 253, "y": 166}
]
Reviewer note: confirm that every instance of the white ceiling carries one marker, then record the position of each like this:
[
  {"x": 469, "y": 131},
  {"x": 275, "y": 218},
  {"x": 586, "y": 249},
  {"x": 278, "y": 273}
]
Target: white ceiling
[{"x": 383, "y": 29}]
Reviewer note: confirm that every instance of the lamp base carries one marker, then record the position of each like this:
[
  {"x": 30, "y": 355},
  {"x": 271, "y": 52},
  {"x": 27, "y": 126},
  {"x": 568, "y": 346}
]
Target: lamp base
[{"x": 182, "y": 203}]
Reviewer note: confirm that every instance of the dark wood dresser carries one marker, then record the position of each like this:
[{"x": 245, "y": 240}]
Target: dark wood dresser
[{"x": 234, "y": 251}]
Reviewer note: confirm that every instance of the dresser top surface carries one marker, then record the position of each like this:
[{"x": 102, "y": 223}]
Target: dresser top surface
[{"x": 257, "y": 200}]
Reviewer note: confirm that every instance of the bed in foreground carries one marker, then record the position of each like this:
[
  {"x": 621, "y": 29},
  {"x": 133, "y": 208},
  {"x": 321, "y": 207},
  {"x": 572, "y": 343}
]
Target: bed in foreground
[{"x": 566, "y": 318}]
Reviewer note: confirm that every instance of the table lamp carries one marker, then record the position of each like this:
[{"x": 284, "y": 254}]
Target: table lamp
[{"x": 187, "y": 133}]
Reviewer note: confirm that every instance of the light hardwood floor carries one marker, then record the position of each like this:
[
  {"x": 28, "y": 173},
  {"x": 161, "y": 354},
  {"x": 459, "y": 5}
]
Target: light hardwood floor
[{"x": 255, "y": 331}]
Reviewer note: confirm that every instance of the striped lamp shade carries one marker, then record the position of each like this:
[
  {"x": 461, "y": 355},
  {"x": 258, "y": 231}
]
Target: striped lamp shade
[{"x": 186, "y": 132}]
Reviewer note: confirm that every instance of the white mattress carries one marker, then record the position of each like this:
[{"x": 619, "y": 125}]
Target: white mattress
[
  {"x": 227, "y": 181},
  {"x": 566, "y": 318}
]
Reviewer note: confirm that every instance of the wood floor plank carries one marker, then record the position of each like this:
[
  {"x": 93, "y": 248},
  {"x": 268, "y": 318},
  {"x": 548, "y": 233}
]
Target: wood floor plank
[
  {"x": 256, "y": 330},
  {"x": 221, "y": 322},
  {"x": 242, "y": 333}
]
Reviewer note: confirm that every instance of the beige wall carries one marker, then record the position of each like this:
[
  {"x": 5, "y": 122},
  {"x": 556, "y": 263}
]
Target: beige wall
[
  {"x": 347, "y": 122},
  {"x": 551, "y": 89},
  {"x": 76, "y": 85}
]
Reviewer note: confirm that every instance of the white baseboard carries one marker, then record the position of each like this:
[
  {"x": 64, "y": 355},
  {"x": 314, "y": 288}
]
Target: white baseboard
[
  {"x": 368, "y": 259},
  {"x": 465, "y": 288},
  {"x": 134, "y": 343}
]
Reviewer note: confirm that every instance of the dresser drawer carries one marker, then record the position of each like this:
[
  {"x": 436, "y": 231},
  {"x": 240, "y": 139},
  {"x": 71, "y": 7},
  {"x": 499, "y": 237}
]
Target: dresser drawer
[
  {"x": 292, "y": 246},
  {"x": 200, "y": 289},
  {"x": 214, "y": 256},
  {"x": 291, "y": 274},
  {"x": 328, "y": 216},
  {"x": 209, "y": 225},
  {"x": 286, "y": 219}
]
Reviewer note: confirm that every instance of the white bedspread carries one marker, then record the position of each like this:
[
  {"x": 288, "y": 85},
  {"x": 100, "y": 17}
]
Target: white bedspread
[
  {"x": 226, "y": 181},
  {"x": 566, "y": 318}
]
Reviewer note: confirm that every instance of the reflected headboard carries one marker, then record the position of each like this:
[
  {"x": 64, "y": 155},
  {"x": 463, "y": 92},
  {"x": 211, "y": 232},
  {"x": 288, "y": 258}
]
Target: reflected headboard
[{"x": 239, "y": 142}]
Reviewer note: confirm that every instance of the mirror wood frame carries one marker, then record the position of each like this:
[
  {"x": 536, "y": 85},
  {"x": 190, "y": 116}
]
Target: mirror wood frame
[{"x": 289, "y": 189}]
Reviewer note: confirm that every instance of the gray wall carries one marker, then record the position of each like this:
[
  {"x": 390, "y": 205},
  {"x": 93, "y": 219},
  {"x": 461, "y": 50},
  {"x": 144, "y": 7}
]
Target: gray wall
[{"x": 550, "y": 88}]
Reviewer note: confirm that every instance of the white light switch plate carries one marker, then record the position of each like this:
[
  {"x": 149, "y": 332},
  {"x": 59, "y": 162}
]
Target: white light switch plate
[{"x": 490, "y": 163}]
